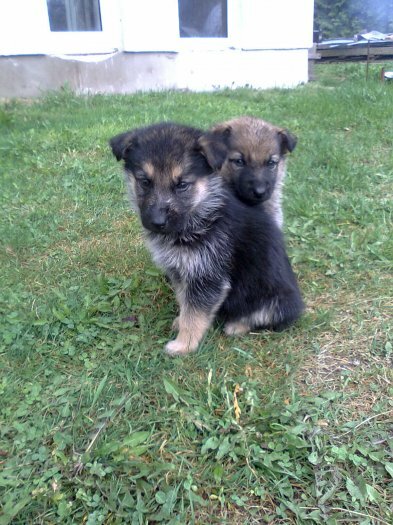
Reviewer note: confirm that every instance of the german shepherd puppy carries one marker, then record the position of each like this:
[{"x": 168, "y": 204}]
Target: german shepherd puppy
[
  {"x": 223, "y": 258},
  {"x": 251, "y": 156}
]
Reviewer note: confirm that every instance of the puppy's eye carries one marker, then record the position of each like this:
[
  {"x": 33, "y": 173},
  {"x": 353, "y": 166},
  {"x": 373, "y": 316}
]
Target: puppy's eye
[
  {"x": 145, "y": 183},
  {"x": 238, "y": 162},
  {"x": 272, "y": 163},
  {"x": 182, "y": 185}
]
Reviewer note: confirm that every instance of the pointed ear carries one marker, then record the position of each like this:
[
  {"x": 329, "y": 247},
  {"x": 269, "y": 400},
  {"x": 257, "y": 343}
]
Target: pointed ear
[
  {"x": 121, "y": 144},
  {"x": 288, "y": 141},
  {"x": 214, "y": 145}
]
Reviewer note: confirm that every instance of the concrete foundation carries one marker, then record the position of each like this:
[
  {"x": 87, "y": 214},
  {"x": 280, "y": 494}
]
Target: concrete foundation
[{"x": 33, "y": 75}]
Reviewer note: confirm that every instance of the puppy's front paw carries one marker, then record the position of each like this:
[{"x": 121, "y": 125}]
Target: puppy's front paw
[
  {"x": 175, "y": 348},
  {"x": 236, "y": 328}
]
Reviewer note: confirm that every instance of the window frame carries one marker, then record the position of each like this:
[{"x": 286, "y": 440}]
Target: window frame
[
  {"x": 54, "y": 21},
  {"x": 107, "y": 40},
  {"x": 225, "y": 2},
  {"x": 214, "y": 43}
]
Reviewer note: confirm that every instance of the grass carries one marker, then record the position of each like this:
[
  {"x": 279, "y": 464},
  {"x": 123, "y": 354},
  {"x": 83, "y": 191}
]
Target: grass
[{"x": 97, "y": 425}]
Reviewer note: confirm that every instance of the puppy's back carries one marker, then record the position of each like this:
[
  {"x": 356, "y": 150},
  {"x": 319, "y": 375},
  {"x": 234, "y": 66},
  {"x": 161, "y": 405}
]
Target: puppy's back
[{"x": 261, "y": 274}]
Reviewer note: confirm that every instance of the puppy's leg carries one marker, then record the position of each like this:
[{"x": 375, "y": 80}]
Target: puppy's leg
[
  {"x": 192, "y": 327},
  {"x": 263, "y": 317},
  {"x": 199, "y": 302},
  {"x": 237, "y": 327},
  {"x": 179, "y": 292},
  {"x": 276, "y": 314}
]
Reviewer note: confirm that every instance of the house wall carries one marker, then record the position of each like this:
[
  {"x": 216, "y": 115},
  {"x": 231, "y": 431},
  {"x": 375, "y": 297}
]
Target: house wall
[
  {"x": 31, "y": 76},
  {"x": 267, "y": 47}
]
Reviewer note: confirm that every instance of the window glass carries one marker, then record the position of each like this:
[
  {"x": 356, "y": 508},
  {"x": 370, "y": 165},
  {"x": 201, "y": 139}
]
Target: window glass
[
  {"x": 203, "y": 19},
  {"x": 74, "y": 15}
]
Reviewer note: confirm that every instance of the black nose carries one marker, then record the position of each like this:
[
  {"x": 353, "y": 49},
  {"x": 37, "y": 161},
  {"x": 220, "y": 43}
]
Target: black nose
[
  {"x": 159, "y": 218},
  {"x": 259, "y": 191},
  {"x": 159, "y": 222}
]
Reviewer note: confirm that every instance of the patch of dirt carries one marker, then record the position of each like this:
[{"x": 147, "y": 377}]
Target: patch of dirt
[{"x": 350, "y": 356}]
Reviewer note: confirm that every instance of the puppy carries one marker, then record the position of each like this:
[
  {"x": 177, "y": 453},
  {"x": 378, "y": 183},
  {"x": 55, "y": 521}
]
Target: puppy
[
  {"x": 223, "y": 258},
  {"x": 251, "y": 156}
]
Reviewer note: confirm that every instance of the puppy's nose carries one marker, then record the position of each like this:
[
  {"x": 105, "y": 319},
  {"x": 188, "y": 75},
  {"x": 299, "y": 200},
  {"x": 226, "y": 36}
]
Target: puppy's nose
[
  {"x": 260, "y": 190},
  {"x": 159, "y": 218}
]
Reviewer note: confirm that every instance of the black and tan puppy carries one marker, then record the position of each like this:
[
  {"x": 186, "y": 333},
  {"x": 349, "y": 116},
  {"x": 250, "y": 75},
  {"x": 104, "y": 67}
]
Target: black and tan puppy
[
  {"x": 224, "y": 258},
  {"x": 251, "y": 156}
]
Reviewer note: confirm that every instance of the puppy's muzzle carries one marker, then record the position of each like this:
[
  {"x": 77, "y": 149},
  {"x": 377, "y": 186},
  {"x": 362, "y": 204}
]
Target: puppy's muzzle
[
  {"x": 260, "y": 190},
  {"x": 156, "y": 219}
]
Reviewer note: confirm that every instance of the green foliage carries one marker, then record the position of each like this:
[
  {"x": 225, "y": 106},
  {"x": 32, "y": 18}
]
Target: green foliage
[
  {"x": 346, "y": 18},
  {"x": 97, "y": 425}
]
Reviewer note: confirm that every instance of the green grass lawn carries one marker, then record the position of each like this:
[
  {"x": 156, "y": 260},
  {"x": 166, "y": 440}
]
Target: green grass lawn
[{"x": 97, "y": 424}]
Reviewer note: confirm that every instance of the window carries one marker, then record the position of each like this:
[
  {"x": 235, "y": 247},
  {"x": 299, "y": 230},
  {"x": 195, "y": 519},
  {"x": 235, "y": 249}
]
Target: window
[
  {"x": 74, "y": 15},
  {"x": 203, "y": 19}
]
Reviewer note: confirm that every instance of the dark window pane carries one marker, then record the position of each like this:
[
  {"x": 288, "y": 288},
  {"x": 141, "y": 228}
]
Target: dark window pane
[
  {"x": 74, "y": 15},
  {"x": 203, "y": 19}
]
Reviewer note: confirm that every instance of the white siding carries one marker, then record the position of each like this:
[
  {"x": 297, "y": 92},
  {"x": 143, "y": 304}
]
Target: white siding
[
  {"x": 140, "y": 47},
  {"x": 280, "y": 24},
  {"x": 150, "y": 25},
  {"x": 24, "y": 30}
]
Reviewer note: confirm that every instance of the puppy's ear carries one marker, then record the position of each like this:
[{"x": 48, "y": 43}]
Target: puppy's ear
[
  {"x": 121, "y": 144},
  {"x": 288, "y": 141},
  {"x": 214, "y": 145}
]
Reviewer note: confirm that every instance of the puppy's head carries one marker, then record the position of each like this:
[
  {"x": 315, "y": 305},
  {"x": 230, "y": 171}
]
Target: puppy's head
[
  {"x": 250, "y": 155},
  {"x": 168, "y": 177}
]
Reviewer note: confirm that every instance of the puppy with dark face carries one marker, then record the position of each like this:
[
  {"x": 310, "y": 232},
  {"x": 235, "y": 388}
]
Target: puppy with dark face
[
  {"x": 251, "y": 156},
  {"x": 167, "y": 178},
  {"x": 223, "y": 258},
  {"x": 179, "y": 201}
]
